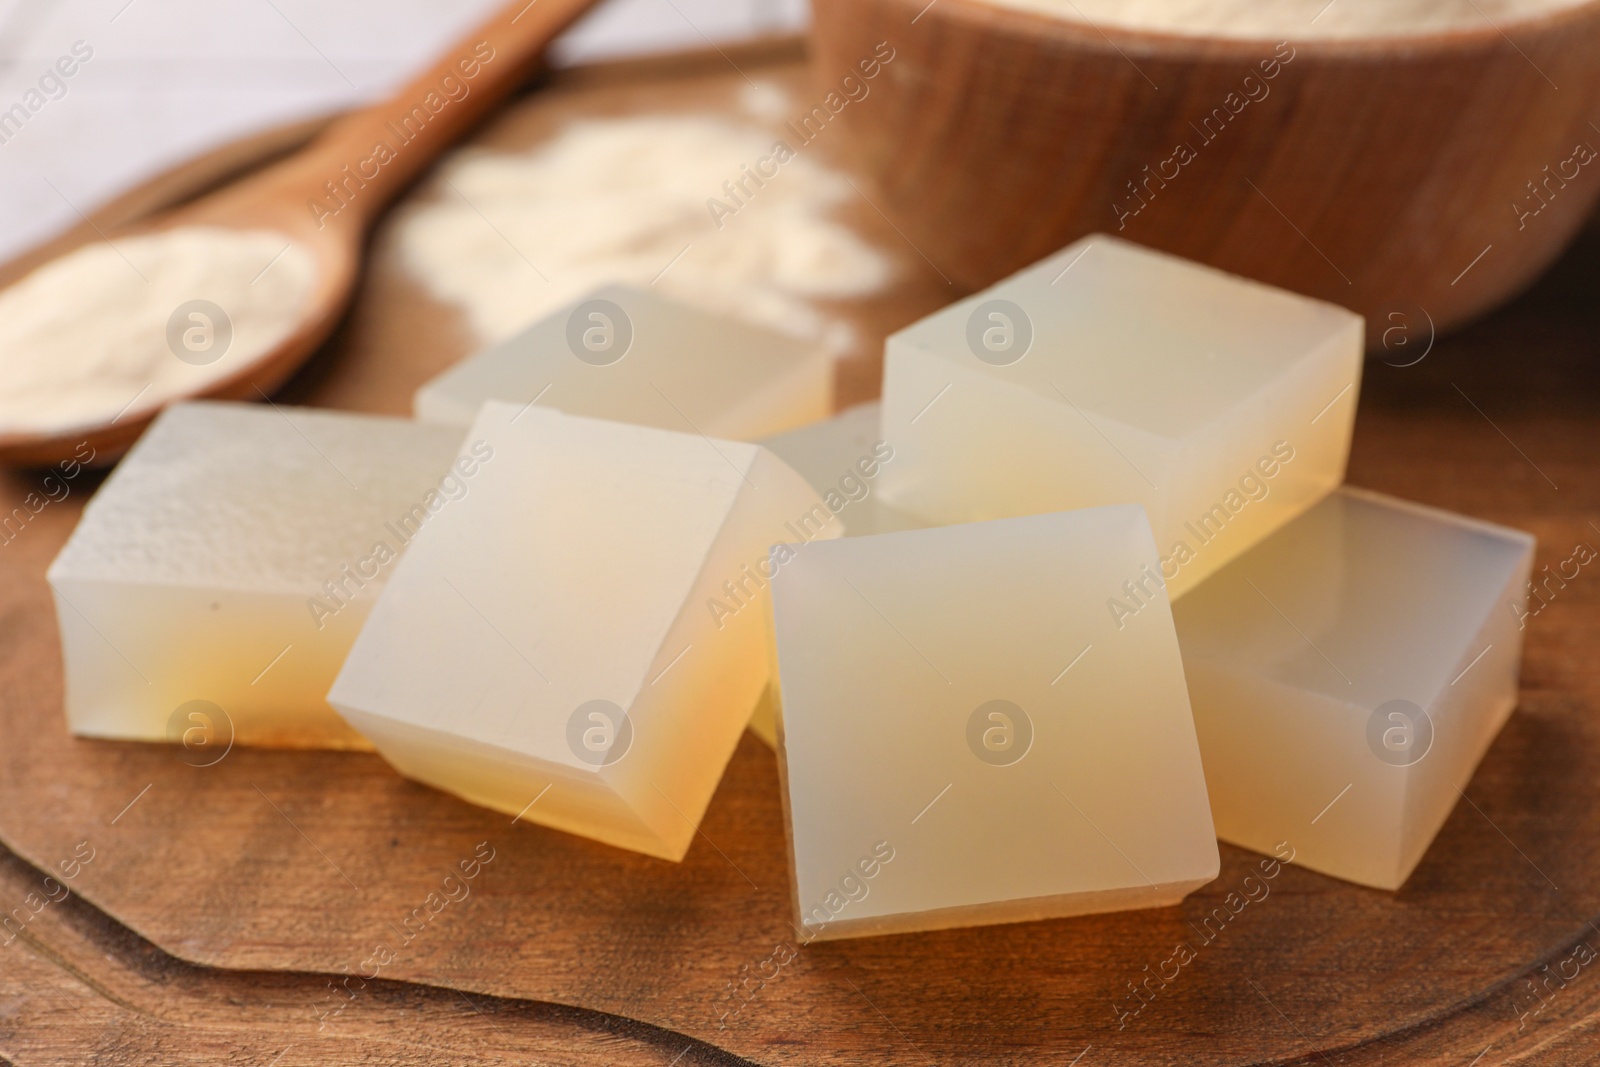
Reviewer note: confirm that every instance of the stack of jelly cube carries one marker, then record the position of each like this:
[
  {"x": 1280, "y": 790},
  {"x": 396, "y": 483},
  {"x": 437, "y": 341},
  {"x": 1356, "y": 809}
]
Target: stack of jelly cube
[
  {"x": 1349, "y": 657},
  {"x": 1081, "y": 594},
  {"x": 555, "y": 615}
]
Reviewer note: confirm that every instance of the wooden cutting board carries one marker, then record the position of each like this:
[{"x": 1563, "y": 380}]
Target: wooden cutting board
[{"x": 226, "y": 913}]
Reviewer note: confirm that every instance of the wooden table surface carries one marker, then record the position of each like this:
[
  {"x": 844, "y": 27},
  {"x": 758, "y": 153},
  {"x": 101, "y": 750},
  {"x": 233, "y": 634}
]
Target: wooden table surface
[{"x": 226, "y": 914}]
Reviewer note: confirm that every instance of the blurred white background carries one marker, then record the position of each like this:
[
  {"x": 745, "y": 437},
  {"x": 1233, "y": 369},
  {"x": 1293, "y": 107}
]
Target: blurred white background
[{"x": 169, "y": 79}]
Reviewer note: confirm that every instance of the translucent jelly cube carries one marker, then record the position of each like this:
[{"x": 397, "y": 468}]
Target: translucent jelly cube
[
  {"x": 629, "y": 355},
  {"x": 1347, "y": 675},
  {"x": 581, "y": 640},
  {"x": 843, "y": 458},
  {"x": 1111, "y": 374},
  {"x": 219, "y": 576},
  {"x": 968, "y": 736}
]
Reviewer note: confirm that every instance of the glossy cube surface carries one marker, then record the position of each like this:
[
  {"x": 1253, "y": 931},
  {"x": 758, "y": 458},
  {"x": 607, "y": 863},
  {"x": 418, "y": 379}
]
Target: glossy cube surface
[
  {"x": 968, "y": 736},
  {"x": 632, "y": 356},
  {"x": 581, "y": 641},
  {"x": 1112, "y": 374},
  {"x": 1347, "y": 676},
  {"x": 843, "y": 458}
]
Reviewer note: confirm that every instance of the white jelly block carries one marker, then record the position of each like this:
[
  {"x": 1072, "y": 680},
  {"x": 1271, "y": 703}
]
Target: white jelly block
[
  {"x": 231, "y": 558},
  {"x": 967, "y": 736},
  {"x": 1111, "y": 374},
  {"x": 843, "y": 459},
  {"x": 629, "y": 355},
  {"x": 764, "y": 719},
  {"x": 582, "y": 639},
  {"x": 1347, "y": 675}
]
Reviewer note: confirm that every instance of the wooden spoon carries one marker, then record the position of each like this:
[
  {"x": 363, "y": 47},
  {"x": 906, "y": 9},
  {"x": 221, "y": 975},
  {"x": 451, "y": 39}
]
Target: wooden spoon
[{"x": 326, "y": 196}]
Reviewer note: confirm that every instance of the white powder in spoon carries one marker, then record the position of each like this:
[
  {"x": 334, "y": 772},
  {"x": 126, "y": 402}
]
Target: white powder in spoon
[
  {"x": 510, "y": 237},
  {"x": 109, "y": 327},
  {"x": 1294, "y": 19}
]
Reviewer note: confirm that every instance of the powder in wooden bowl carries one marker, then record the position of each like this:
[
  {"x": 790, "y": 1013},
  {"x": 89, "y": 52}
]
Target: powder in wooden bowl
[{"x": 1294, "y": 19}]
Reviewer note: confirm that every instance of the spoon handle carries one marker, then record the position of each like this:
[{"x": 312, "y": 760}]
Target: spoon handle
[{"x": 350, "y": 172}]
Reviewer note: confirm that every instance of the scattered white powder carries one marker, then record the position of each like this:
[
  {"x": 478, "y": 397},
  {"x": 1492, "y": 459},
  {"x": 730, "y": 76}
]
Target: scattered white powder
[
  {"x": 1294, "y": 19},
  {"x": 86, "y": 336},
  {"x": 510, "y": 237}
]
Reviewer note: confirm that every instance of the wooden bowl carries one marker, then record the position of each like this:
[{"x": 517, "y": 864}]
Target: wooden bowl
[{"x": 1389, "y": 175}]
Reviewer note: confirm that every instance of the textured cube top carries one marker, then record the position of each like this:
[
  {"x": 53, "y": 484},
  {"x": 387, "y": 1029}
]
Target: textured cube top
[
  {"x": 630, "y": 355},
  {"x": 1149, "y": 340},
  {"x": 1396, "y": 597},
  {"x": 962, "y": 696},
  {"x": 255, "y": 498}
]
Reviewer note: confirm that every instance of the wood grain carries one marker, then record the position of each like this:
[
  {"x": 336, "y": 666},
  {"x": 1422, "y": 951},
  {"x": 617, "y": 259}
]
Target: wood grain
[
  {"x": 77, "y": 985},
  {"x": 239, "y": 891},
  {"x": 1371, "y": 174}
]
